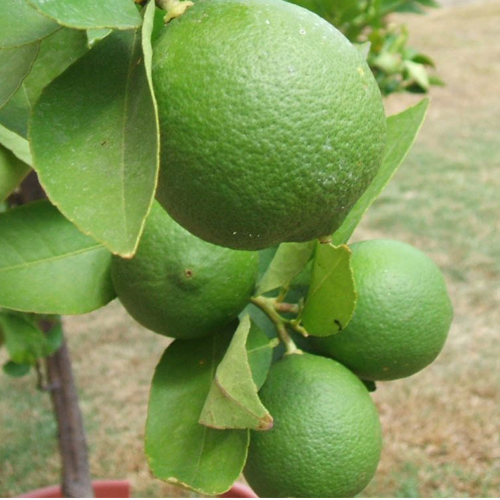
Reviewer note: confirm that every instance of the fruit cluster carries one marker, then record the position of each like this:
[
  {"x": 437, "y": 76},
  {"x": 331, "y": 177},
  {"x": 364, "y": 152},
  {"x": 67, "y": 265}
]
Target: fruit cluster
[
  {"x": 326, "y": 437},
  {"x": 272, "y": 128}
]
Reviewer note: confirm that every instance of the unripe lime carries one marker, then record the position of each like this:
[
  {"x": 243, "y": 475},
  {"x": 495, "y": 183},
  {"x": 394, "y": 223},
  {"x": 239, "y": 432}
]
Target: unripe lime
[
  {"x": 326, "y": 439},
  {"x": 271, "y": 122},
  {"x": 181, "y": 286},
  {"x": 402, "y": 316}
]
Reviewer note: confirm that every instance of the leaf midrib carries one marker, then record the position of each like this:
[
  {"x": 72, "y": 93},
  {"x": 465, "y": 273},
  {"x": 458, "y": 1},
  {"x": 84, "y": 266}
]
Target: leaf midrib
[
  {"x": 203, "y": 439},
  {"x": 54, "y": 258},
  {"x": 124, "y": 131},
  {"x": 242, "y": 406},
  {"x": 325, "y": 278}
]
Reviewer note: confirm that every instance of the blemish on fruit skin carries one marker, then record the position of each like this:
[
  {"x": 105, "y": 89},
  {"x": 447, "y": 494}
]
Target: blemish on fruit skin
[
  {"x": 302, "y": 31},
  {"x": 188, "y": 273},
  {"x": 361, "y": 71}
]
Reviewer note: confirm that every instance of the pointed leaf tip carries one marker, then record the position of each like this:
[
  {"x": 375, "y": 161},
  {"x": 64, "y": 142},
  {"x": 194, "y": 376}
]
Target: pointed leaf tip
[
  {"x": 233, "y": 402},
  {"x": 402, "y": 130},
  {"x": 95, "y": 143}
]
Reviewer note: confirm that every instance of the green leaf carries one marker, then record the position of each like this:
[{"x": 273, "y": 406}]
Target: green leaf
[
  {"x": 423, "y": 59},
  {"x": 387, "y": 62},
  {"x": 429, "y": 3},
  {"x": 57, "y": 52},
  {"x": 418, "y": 73},
  {"x": 435, "y": 80},
  {"x": 147, "y": 49},
  {"x": 411, "y": 8},
  {"x": 263, "y": 323},
  {"x": 260, "y": 354},
  {"x": 17, "y": 144},
  {"x": 16, "y": 370},
  {"x": 48, "y": 266},
  {"x": 402, "y": 130},
  {"x": 24, "y": 342},
  {"x": 94, "y": 36},
  {"x": 12, "y": 172},
  {"x": 91, "y": 14},
  {"x": 332, "y": 297},
  {"x": 364, "y": 48},
  {"x": 180, "y": 450},
  {"x": 15, "y": 114},
  {"x": 232, "y": 402},
  {"x": 20, "y": 24},
  {"x": 54, "y": 337},
  {"x": 288, "y": 262},
  {"x": 265, "y": 258},
  {"x": 158, "y": 24},
  {"x": 15, "y": 64},
  {"x": 94, "y": 137}
]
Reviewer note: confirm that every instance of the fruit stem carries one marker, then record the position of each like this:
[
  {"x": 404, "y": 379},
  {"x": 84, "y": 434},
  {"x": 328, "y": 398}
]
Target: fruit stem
[
  {"x": 268, "y": 307},
  {"x": 286, "y": 308},
  {"x": 294, "y": 323},
  {"x": 173, "y": 8}
]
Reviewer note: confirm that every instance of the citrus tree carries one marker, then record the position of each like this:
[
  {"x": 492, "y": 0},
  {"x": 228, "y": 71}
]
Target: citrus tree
[{"x": 207, "y": 164}]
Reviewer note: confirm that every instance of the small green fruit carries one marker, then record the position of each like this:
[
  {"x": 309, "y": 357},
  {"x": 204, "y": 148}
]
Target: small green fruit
[
  {"x": 402, "y": 316},
  {"x": 326, "y": 440},
  {"x": 181, "y": 286},
  {"x": 271, "y": 123}
]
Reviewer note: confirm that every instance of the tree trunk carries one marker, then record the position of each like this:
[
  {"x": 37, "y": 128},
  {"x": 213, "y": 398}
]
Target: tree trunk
[
  {"x": 71, "y": 434},
  {"x": 75, "y": 474}
]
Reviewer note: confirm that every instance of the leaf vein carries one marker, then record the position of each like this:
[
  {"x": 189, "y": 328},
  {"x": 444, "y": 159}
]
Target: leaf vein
[
  {"x": 203, "y": 439},
  {"x": 124, "y": 128},
  {"x": 50, "y": 259},
  {"x": 237, "y": 403},
  {"x": 326, "y": 277}
]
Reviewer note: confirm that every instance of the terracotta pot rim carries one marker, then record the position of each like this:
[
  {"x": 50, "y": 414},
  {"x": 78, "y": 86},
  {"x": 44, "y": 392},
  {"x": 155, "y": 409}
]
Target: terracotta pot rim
[
  {"x": 120, "y": 488},
  {"x": 103, "y": 488}
]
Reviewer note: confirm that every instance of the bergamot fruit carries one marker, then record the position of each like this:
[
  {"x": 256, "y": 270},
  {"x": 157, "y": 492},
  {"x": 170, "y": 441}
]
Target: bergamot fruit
[{"x": 271, "y": 123}]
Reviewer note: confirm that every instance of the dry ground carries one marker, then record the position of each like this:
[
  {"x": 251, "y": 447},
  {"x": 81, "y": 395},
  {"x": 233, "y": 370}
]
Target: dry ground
[{"x": 442, "y": 426}]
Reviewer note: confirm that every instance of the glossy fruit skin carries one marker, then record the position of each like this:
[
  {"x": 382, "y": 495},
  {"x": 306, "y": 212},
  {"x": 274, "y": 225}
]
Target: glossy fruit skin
[
  {"x": 326, "y": 440},
  {"x": 402, "y": 316},
  {"x": 180, "y": 286},
  {"x": 271, "y": 123}
]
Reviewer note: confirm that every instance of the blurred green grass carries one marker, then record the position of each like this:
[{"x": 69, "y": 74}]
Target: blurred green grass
[{"x": 27, "y": 436}]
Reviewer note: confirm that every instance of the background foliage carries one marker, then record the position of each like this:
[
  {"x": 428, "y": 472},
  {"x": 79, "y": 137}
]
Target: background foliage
[{"x": 397, "y": 66}]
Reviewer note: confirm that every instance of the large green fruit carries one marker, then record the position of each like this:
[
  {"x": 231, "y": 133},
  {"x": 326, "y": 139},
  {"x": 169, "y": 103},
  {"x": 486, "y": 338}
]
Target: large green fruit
[
  {"x": 271, "y": 123},
  {"x": 326, "y": 440},
  {"x": 402, "y": 316},
  {"x": 181, "y": 286}
]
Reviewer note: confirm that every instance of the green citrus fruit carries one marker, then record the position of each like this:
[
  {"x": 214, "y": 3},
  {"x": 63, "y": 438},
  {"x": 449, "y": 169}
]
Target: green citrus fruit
[
  {"x": 271, "y": 123},
  {"x": 326, "y": 439},
  {"x": 402, "y": 316},
  {"x": 179, "y": 285}
]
